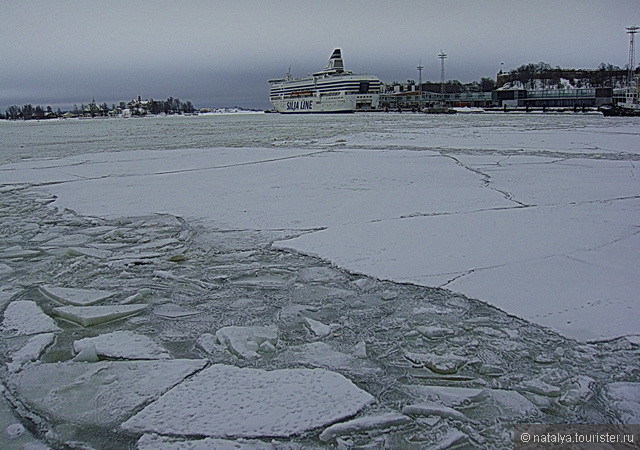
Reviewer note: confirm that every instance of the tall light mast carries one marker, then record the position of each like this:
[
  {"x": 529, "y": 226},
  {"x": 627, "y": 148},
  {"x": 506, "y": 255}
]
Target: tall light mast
[
  {"x": 631, "y": 31},
  {"x": 420, "y": 67},
  {"x": 442, "y": 57}
]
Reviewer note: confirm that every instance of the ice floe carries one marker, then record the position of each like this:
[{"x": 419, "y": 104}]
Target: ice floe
[
  {"x": 321, "y": 354},
  {"x": 317, "y": 328},
  {"x": 447, "y": 364},
  {"x": 124, "y": 345},
  {"x": 75, "y": 296},
  {"x": 246, "y": 341},
  {"x": 17, "y": 252},
  {"x": 24, "y": 317},
  {"x": 624, "y": 397},
  {"x": 31, "y": 351},
  {"x": 173, "y": 311},
  {"x": 227, "y": 401},
  {"x": 361, "y": 424},
  {"x": 102, "y": 393},
  {"x": 92, "y": 315},
  {"x": 434, "y": 409}
]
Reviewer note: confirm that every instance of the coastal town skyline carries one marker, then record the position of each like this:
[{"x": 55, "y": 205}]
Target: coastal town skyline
[{"x": 218, "y": 54}]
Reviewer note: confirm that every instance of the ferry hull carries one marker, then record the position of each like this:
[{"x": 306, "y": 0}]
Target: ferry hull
[
  {"x": 311, "y": 105},
  {"x": 332, "y": 90}
]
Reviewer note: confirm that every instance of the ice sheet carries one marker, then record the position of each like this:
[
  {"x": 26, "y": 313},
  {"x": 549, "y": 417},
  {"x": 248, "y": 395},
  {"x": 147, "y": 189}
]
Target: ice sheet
[
  {"x": 227, "y": 401},
  {"x": 103, "y": 393},
  {"x": 469, "y": 203}
]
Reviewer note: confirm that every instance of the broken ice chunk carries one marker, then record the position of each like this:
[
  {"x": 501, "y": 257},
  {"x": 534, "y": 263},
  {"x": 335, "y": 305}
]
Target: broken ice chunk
[
  {"x": 142, "y": 294},
  {"x": 245, "y": 341},
  {"x": 434, "y": 332},
  {"x": 18, "y": 252},
  {"x": 31, "y": 351},
  {"x": 624, "y": 398},
  {"x": 318, "y": 328},
  {"x": 448, "y": 395},
  {"x": 434, "y": 409},
  {"x": 24, "y": 317},
  {"x": 580, "y": 391},
  {"x": 104, "y": 393},
  {"x": 87, "y": 354},
  {"x": 363, "y": 424},
  {"x": 91, "y": 315},
  {"x": 360, "y": 350},
  {"x": 123, "y": 344},
  {"x": 541, "y": 388},
  {"x": 227, "y": 401},
  {"x": 173, "y": 311},
  {"x": 209, "y": 343},
  {"x": 66, "y": 240},
  {"x": 5, "y": 268},
  {"x": 321, "y": 354},
  {"x": 388, "y": 294},
  {"x": 445, "y": 365},
  {"x": 512, "y": 404},
  {"x": 75, "y": 296},
  {"x": 89, "y": 251}
]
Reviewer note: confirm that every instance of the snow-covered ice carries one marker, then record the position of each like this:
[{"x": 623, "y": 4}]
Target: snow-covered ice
[
  {"x": 227, "y": 401},
  {"x": 363, "y": 424},
  {"x": 75, "y": 296},
  {"x": 24, "y": 317},
  {"x": 462, "y": 207},
  {"x": 92, "y": 315},
  {"x": 246, "y": 341},
  {"x": 123, "y": 344},
  {"x": 624, "y": 397},
  {"x": 466, "y": 264},
  {"x": 31, "y": 351},
  {"x": 102, "y": 393}
]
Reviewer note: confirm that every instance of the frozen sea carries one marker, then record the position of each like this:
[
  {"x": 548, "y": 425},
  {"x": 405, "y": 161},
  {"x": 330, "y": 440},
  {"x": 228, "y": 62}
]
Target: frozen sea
[{"x": 377, "y": 280}]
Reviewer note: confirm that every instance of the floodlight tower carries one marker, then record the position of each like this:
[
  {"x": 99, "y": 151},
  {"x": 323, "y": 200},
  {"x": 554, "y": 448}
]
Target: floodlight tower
[
  {"x": 420, "y": 67},
  {"x": 631, "y": 31},
  {"x": 442, "y": 57}
]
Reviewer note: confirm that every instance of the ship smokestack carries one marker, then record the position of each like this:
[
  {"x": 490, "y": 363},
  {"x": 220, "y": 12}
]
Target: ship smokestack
[{"x": 335, "y": 62}]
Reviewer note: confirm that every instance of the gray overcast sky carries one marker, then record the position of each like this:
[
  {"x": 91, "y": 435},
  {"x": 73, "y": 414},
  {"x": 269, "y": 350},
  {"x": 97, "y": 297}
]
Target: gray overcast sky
[{"x": 220, "y": 53}]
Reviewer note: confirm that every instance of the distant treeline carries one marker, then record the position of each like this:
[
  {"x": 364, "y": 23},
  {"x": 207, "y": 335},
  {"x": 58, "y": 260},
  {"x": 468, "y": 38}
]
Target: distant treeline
[
  {"x": 543, "y": 75},
  {"x": 137, "y": 107},
  {"x": 454, "y": 86}
]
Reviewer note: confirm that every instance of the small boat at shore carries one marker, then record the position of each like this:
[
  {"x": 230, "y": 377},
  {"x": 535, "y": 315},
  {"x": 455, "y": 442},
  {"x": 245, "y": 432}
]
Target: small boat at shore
[{"x": 630, "y": 107}]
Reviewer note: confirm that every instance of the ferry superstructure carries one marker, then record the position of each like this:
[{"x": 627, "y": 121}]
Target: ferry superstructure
[{"x": 332, "y": 90}]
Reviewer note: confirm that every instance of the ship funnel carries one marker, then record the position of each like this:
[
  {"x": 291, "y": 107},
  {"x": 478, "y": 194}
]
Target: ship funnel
[{"x": 335, "y": 62}]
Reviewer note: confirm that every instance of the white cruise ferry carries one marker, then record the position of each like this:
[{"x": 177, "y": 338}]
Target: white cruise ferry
[{"x": 332, "y": 90}]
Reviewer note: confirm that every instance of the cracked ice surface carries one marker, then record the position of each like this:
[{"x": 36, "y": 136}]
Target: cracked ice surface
[
  {"x": 467, "y": 205},
  {"x": 483, "y": 214},
  {"x": 227, "y": 401}
]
